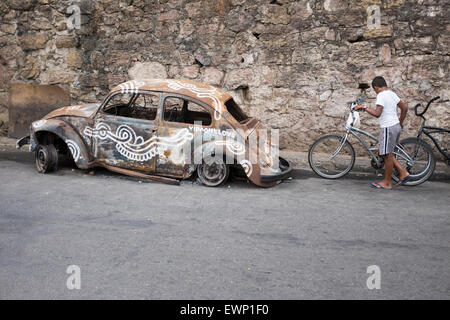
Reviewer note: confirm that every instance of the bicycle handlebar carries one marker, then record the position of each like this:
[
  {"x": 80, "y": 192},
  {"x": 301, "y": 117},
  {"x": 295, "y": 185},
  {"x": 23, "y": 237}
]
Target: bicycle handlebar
[{"x": 426, "y": 108}]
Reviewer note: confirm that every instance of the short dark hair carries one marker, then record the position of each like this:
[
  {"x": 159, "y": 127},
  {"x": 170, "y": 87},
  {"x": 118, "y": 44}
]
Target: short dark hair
[{"x": 379, "y": 82}]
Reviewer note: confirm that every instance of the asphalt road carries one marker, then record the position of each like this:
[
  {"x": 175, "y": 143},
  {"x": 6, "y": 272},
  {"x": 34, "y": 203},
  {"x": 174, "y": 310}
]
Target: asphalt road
[{"x": 305, "y": 238}]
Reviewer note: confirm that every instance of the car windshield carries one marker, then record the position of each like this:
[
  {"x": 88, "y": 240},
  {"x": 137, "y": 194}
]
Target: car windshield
[
  {"x": 119, "y": 100},
  {"x": 236, "y": 111}
]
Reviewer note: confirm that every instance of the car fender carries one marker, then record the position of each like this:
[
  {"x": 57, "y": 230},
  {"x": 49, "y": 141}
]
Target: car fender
[
  {"x": 220, "y": 147},
  {"x": 68, "y": 134}
]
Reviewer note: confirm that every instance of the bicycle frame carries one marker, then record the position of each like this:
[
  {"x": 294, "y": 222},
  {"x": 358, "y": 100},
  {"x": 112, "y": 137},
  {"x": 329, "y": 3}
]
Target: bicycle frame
[
  {"x": 399, "y": 151},
  {"x": 364, "y": 143},
  {"x": 425, "y": 130}
]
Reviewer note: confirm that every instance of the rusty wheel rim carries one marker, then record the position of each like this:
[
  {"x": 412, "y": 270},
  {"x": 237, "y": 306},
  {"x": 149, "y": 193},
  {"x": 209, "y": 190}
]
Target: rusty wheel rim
[
  {"x": 41, "y": 159},
  {"x": 212, "y": 173}
]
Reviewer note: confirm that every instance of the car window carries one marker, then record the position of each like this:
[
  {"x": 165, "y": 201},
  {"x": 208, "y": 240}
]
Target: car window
[
  {"x": 185, "y": 111},
  {"x": 145, "y": 106},
  {"x": 236, "y": 111},
  {"x": 134, "y": 105},
  {"x": 118, "y": 101}
]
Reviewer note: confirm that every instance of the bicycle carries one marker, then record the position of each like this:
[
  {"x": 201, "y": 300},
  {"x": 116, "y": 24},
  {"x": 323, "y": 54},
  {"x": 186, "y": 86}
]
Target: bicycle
[
  {"x": 428, "y": 131},
  {"x": 333, "y": 156}
]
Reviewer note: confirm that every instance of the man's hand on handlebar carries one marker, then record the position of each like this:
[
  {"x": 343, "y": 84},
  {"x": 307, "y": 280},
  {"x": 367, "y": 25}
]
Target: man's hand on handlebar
[
  {"x": 376, "y": 113},
  {"x": 360, "y": 107}
]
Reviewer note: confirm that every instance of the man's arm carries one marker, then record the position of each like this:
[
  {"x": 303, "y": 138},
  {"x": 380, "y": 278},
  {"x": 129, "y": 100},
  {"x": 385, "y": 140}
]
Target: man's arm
[
  {"x": 376, "y": 113},
  {"x": 404, "y": 109}
]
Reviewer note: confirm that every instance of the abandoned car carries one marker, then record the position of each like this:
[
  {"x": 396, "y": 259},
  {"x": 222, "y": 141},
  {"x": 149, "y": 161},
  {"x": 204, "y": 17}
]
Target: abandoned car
[{"x": 162, "y": 129}]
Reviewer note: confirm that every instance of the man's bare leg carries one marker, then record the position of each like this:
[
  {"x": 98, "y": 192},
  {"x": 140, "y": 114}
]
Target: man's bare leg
[
  {"x": 388, "y": 167},
  {"x": 402, "y": 172}
]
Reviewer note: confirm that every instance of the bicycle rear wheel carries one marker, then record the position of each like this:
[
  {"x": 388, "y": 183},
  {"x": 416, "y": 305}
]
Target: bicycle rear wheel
[
  {"x": 331, "y": 159},
  {"x": 416, "y": 156}
]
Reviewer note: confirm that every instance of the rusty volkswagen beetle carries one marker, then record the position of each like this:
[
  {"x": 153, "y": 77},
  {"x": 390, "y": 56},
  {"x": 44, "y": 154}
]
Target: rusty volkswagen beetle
[{"x": 161, "y": 129}]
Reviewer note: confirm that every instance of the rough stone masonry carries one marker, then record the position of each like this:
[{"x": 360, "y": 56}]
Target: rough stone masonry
[{"x": 293, "y": 64}]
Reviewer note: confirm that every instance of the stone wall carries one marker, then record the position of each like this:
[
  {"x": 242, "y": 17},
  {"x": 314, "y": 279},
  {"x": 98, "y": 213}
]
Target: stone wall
[{"x": 293, "y": 64}]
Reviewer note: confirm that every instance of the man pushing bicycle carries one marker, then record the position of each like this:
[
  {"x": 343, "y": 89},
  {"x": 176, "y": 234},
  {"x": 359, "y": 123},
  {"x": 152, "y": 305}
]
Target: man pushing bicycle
[{"x": 391, "y": 127}]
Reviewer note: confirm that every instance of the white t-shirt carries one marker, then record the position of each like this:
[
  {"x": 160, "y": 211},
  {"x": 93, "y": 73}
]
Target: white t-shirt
[{"x": 389, "y": 101}]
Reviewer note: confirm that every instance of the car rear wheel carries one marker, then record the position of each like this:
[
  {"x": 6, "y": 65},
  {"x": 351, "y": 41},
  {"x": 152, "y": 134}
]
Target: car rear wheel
[
  {"x": 46, "y": 158},
  {"x": 213, "y": 171}
]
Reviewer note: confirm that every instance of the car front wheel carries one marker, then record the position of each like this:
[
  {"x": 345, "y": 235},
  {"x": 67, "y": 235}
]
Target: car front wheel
[{"x": 46, "y": 158}]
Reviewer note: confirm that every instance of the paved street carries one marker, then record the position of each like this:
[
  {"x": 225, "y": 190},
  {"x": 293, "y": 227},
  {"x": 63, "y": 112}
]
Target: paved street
[{"x": 305, "y": 238}]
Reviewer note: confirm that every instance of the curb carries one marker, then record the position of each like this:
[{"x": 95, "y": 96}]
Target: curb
[{"x": 302, "y": 173}]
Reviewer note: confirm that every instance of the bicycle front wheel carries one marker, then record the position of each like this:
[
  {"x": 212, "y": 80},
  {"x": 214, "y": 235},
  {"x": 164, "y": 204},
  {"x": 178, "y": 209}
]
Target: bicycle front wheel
[
  {"x": 330, "y": 157},
  {"x": 416, "y": 156}
]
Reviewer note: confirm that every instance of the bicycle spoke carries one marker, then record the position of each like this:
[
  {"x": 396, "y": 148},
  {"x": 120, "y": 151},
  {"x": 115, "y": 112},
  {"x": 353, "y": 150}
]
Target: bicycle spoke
[{"x": 331, "y": 156}]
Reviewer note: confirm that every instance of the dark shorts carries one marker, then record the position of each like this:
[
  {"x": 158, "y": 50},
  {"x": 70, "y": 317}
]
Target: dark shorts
[{"x": 388, "y": 139}]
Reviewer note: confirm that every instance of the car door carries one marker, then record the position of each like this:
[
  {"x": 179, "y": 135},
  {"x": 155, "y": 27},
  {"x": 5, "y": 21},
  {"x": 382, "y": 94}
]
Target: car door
[
  {"x": 176, "y": 133},
  {"x": 124, "y": 131}
]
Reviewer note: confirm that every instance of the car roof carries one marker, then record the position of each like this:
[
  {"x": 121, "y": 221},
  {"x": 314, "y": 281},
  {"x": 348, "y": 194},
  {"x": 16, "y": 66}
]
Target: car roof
[{"x": 206, "y": 93}]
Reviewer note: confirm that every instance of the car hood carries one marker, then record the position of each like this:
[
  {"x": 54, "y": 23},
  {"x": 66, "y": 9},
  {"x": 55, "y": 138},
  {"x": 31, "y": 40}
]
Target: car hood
[{"x": 81, "y": 110}]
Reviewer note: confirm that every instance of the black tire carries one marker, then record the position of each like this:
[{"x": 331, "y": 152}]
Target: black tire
[
  {"x": 213, "y": 171},
  {"x": 425, "y": 163},
  {"x": 314, "y": 153},
  {"x": 46, "y": 158}
]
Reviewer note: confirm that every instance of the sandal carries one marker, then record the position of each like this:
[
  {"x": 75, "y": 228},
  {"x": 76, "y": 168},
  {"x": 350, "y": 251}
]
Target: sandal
[
  {"x": 402, "y": 182},
  {"x": 376, "y": 185}
]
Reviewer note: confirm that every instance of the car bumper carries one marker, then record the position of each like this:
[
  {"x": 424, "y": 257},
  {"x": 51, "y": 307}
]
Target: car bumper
[
  {"x": 22, "y": 141},
  {"x": 285, "y": 168}
]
